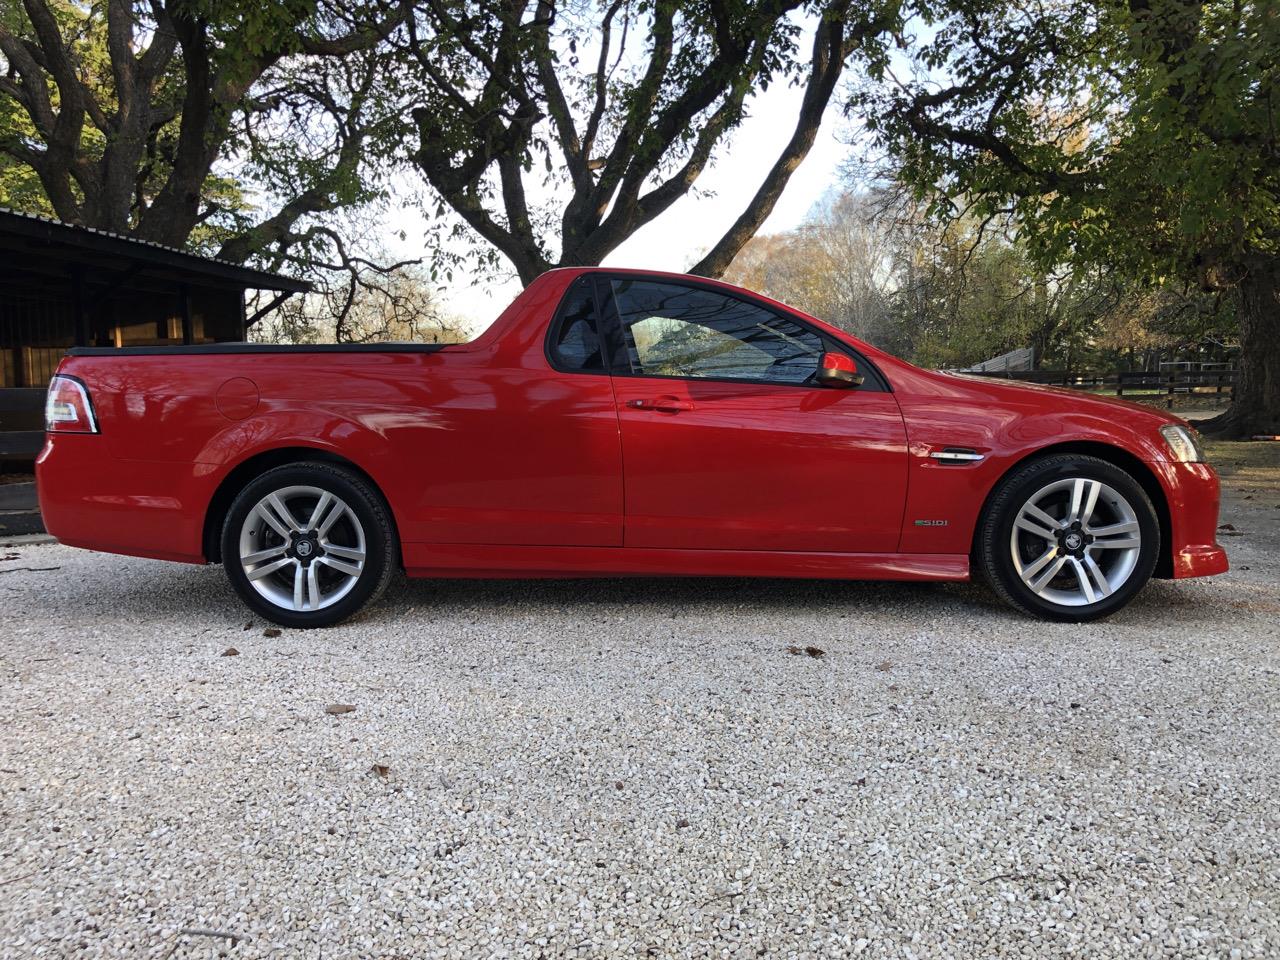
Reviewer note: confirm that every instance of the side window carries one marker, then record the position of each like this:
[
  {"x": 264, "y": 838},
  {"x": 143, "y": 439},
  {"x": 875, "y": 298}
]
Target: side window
[
  {"x": 677, "y": 331},
  {"x": 575, "y": 332}
]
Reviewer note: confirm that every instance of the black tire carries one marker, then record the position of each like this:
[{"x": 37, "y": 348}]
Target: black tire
[
  {"x": 368, "y": 517},
  {"x": 995, "y": 546}
]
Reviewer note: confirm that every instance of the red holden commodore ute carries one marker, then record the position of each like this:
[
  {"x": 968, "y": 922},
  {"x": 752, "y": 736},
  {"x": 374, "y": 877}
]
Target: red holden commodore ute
[{"x": 615, "y": 423}]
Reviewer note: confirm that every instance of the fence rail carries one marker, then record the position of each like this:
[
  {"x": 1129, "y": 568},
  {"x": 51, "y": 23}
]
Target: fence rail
[{"x": 1183, "y": 382}]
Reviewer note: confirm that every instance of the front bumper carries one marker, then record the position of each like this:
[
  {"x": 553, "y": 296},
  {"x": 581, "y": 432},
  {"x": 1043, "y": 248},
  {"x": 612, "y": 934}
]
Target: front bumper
[{"x": 1192, "y": 491}]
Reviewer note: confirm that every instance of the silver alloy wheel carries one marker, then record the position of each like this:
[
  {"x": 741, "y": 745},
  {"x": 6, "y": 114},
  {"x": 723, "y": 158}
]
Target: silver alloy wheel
[
  {"x": 1076, "y": 541},
  {"x": 302, "y": 548}
]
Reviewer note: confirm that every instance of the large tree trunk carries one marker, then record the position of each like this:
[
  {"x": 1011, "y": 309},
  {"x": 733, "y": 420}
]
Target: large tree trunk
[{"x": 1255, "y": 401}]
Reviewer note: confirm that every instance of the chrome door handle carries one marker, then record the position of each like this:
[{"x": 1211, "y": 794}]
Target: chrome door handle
[{"x": 664, "y": 404}]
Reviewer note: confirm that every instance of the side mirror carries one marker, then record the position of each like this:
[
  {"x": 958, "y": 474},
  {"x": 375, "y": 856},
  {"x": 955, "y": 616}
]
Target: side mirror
[{"x": 838, "y": 370}]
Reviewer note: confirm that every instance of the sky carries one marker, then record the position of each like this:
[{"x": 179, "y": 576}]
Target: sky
[{"x": 676, "y": 239}]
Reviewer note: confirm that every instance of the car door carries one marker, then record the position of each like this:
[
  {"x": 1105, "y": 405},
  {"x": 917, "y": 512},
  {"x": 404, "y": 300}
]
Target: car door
[
  {"x": 727, "y": 441},
  {"x": 518, "y": 444}
]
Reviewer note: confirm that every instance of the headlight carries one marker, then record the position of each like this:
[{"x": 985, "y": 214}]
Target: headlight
[{"x": 1183, "y": 443}]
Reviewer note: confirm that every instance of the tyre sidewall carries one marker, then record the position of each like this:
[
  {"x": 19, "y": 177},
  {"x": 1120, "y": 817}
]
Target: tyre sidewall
[
  {"x": 1019, "y": 488},
  {"x": 372, "y": 517}
]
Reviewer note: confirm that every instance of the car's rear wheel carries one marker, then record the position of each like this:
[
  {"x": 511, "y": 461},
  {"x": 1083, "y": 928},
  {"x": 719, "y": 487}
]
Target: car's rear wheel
[
  {"x": 308, "y": 544},
  {"x": 1068, "y": 537}
]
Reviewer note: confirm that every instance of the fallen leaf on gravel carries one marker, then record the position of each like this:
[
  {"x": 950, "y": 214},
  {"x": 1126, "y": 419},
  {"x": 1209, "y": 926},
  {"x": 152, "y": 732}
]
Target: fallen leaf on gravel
[
  {"x": 334, "y": 709},
  {"x": 617, "y": 784},
  {"x": 248, "y": 626},
  {"x": 271, "y": 632},
  {"x": 681, "y": 823},
  {"x": 884, "y": 666},
  {"x": 814, "y": 652},
  {"x": 381, "y": 770},
  {"x": 230, "y": 652}
]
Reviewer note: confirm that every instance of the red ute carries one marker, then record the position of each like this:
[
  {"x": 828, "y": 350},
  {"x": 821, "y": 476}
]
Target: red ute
[{"x": 617, "y": 422}]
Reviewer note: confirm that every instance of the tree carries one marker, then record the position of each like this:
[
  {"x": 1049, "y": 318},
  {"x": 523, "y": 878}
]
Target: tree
[
  {"x": 123, "y": 112},
  {"x": 837, "y": 265},
  {"x": 521, "y": 98},
  {"x": 943, "y": 294},
  {"x": 1139, "y": 135},
  {"x": 371, "y": 307}
]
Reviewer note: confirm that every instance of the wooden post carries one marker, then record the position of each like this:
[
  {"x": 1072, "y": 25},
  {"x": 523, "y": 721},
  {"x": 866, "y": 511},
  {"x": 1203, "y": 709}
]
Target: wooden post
[
  {"x": 184, "y": 308},
  {"x": 80, "y": 307}
]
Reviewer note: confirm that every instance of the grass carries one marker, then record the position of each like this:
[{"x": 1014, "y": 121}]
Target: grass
[{"x": 1251, "y": 467}]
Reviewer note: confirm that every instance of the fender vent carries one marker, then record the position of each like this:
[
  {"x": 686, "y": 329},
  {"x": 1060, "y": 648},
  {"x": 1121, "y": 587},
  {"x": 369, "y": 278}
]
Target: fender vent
[{"x": 957, "y": 455}]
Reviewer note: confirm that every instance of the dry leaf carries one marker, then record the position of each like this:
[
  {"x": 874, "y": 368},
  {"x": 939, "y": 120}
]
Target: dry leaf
[
  {"x": 230, "y": 652},
  {"x": 271, "y": 632},
  {"x": 381, "y": 770},
  {"x": 884, "y": 666},
  {"x": 334, "y": 709}
]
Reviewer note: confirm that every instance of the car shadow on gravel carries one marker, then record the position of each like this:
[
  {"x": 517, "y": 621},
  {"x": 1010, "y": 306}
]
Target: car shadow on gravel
[
  {"x": 662, "y": 595},
  {"x": 870, "y": 600},
  {"x": 201, "y": 595}
]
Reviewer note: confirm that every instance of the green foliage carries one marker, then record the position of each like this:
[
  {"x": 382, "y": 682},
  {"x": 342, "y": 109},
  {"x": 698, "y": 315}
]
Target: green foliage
[
  {"x": 1140, "y": 136},
  {"x": 951, "y": 294}
]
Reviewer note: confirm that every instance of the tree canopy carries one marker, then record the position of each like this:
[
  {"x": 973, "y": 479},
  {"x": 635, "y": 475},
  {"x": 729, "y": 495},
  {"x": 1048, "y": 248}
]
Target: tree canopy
[
  {"x": 545, "y": 133},
  {"x": 556, "y": 132},
  {"x": 1140, "y": 135},
  {"x": 239, "y": 129}
]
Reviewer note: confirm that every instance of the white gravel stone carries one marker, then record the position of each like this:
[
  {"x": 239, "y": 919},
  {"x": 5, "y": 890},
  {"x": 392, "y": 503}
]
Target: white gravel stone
[{"x": 637, "y": 769}]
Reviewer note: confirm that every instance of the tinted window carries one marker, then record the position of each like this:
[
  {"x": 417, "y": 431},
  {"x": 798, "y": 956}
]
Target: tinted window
[
  {"x": 677, "y": 331},
  {"x": 575, "y": 336}
]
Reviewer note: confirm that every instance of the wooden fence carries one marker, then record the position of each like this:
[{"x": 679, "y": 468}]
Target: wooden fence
[
  {"x": 21, "y": 423},
  {"x": 1168, "y": 385}
]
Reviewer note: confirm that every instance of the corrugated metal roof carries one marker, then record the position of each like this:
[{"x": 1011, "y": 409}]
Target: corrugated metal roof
[{"x": 13, "y": 220}]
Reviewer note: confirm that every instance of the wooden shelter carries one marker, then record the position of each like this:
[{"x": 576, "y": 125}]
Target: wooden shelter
[{"x": 63, "y": 285}]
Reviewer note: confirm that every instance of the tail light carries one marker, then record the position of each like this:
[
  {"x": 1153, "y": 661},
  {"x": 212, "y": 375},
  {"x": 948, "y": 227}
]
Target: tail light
[{"x": 67, "y": 408}]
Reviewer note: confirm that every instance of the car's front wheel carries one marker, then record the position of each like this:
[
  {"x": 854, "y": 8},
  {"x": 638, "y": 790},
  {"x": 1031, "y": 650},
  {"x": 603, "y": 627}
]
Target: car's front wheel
[
  {"x": 1068, "y": 537},
  {"x": 308, "y": 544}
]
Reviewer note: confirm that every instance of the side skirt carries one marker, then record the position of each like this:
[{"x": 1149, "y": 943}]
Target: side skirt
[{"x": 501, "y": 561}]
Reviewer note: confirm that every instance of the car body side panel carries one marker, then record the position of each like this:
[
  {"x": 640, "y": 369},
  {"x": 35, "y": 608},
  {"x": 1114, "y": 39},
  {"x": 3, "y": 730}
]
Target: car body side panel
[
  {"x": 1008, "y": 423},
  {"x": 478, "y": 444},
  {"x": 762, "y": 467},
  {"x": 484, "y": 560},
  {"x": 494, "y": 463},
  {"x": 136, "y": 507}
]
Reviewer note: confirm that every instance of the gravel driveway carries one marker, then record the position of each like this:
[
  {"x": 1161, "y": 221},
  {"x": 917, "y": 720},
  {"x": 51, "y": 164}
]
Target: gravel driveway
[{"x": 640, "y": 768}]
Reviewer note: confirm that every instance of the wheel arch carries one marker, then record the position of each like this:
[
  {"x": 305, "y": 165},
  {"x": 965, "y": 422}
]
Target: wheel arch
[
  {"x": 244, "y": 472},
  {"x": 1118, "y": 457}
]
